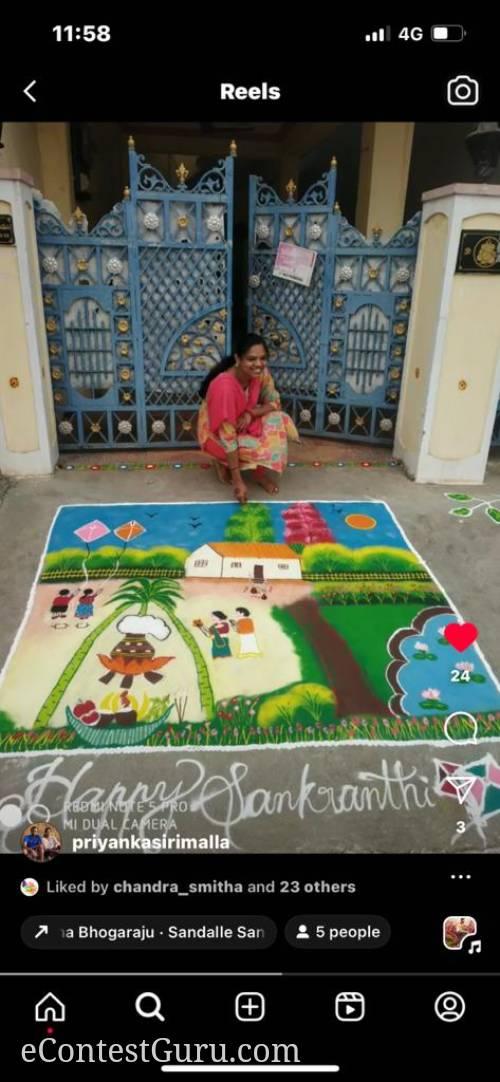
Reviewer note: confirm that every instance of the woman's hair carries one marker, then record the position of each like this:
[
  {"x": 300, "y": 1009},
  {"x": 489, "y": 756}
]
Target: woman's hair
[
  {"x": 220, "y": 615},
  {"x": 242, "y": 347}
]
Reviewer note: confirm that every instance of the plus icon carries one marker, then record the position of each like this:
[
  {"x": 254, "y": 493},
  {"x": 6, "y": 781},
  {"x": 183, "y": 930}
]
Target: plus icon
[{"x": 250, "y": 1006}]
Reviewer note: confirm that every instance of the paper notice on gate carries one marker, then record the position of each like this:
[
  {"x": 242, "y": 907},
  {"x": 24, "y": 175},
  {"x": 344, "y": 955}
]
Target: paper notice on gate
[{"x": 294, "y": 263}]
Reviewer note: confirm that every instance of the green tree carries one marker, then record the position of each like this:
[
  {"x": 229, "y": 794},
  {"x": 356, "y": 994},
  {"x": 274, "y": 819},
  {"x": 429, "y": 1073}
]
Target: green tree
[
  {"x": 252, "y": 522},
  {"x": 142, "y": 592},
  {"x": 7, "y": 724}
]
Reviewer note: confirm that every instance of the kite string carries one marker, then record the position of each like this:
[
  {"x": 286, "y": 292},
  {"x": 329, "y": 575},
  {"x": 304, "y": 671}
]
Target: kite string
[
  {"x": 117, "y": 564},
  {"x": 84, "y": 563}
]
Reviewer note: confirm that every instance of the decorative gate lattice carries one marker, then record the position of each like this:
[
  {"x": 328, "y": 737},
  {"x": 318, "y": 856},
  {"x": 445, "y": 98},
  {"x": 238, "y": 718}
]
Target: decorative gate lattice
[
  {"x": 137, "y": 310},
  {"x": 337, "y": 346}
]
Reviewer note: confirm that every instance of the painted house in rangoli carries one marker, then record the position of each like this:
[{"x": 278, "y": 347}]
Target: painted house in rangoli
[{"x": 260, "y": 561}]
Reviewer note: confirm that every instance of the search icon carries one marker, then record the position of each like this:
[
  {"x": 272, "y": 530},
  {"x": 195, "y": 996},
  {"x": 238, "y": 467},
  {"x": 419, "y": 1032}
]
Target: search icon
[
  {"x": 470, "y": 720},
  {"x": 156, "y": 1001}
]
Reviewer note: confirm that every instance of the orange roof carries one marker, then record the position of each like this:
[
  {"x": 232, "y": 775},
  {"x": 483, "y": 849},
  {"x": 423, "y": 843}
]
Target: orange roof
[{"x": 255, "y": 549}]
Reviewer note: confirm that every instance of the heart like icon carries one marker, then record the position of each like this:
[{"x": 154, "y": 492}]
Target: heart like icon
[{"x": 461, "y": 635}]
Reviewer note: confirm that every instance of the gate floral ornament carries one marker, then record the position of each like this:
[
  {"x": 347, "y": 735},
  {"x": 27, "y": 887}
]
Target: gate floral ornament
[
  {"x": 150, "y": 283},
  {"x": 337, "y": 347}
]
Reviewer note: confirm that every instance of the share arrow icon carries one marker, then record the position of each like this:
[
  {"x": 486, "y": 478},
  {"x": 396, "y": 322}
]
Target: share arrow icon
[{"x": 462, "y": 786}]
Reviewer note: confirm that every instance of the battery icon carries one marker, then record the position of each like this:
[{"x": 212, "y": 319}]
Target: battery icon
[{"x": 447, "y": 33}]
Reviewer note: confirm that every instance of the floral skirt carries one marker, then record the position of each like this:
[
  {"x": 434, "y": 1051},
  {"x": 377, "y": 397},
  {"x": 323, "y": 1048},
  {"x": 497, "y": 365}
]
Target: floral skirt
[{"x": 270, "y": 450}]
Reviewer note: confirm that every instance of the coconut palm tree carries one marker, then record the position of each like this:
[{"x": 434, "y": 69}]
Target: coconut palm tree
[
  {"x": 141, "y": 592},
  {"x": 165, "y": 594}
]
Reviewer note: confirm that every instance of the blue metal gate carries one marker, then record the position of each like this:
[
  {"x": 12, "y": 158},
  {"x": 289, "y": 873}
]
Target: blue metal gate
[
  {"x": 337, "y": 346},
  {"x": 139, "y": 308}
]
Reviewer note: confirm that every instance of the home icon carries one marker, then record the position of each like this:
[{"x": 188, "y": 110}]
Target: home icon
[{"x": 50, "y": 1009}]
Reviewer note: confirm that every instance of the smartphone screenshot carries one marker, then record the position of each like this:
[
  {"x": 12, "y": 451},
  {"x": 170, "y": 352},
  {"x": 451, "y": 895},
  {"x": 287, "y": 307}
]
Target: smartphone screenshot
[{"x": 249, "y": 537}]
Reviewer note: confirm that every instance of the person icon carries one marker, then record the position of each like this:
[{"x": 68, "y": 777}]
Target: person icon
[
  {"x": 302, "y": 932},
  {"x": 450, "y": 1007}
]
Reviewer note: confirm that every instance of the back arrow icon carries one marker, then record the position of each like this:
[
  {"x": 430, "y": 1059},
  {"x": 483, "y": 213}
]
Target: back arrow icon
[{"x": 27, "y": 90}]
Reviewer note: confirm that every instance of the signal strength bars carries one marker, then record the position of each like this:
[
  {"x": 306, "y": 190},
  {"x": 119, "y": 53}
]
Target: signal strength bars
[{"x": 383, "y": 34}]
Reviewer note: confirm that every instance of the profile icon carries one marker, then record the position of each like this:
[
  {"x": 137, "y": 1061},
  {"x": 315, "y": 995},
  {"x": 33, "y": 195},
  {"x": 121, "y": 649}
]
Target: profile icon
[
  {"x": 450, "y": 1006},
  {"x": 41, "y": 842},
  {"x": 302, "y": 932},
  {"x": 29, "y": 887}
]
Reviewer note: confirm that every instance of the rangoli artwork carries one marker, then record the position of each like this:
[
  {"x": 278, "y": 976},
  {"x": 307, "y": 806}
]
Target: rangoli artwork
[{"x": 210, "y": 624}]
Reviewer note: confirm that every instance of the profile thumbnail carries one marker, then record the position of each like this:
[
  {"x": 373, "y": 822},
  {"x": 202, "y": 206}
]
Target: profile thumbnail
[{"x": 41, "y": 842}]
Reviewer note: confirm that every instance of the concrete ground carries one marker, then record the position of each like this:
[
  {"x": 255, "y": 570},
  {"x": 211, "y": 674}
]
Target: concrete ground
[{"x": 335, "y": 799}]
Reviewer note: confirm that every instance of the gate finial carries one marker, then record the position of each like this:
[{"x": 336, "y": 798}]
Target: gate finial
[
  {"x": 333, "y": 163},
  {"x": 131, "y": 142},
  {"x": 233, "y": 146},
  {"x": 337, "y": 208},
  {"x": 182, "y": 174},
  {"x": 126, "y": 192},
  {"x": 291, "y": 188}
]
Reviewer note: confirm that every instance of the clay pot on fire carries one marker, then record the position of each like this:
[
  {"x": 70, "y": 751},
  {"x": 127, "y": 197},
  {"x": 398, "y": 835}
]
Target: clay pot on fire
[{"x": 134, "y": 655}]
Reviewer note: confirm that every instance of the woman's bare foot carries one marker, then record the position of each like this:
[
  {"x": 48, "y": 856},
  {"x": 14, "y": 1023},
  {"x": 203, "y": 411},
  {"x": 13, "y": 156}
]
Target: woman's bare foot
[
  {"x": 223, "y": 473},
  {"x": 267, "y": 480}
]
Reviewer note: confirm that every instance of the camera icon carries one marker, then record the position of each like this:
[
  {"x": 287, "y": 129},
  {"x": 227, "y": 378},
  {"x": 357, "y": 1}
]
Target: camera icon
[{"x": 462, "y": 90}]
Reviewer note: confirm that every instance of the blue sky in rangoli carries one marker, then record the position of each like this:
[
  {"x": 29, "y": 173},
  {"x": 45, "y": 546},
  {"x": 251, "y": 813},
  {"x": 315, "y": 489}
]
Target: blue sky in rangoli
[{"x": 191, "y": 525}]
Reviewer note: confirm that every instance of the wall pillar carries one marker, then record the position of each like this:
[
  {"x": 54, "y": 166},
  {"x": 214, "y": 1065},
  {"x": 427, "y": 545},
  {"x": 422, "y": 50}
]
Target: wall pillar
[
  {"x": 28, "y": 436},
  {"x": 451, "y": 379},
  {"x": 43, "y": 152},
  {"x": 383, "y": 177},
  {"x": 57, "y": 171}
]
